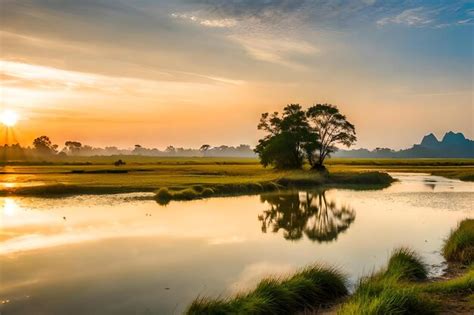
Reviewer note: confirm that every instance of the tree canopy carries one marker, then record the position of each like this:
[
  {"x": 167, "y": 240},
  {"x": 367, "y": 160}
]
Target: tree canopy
[
  {"x": 43, "y": 145},
  {"x": 331, "y": 128},
  {"x": 297, "y": 134},
  {"x": 288, "y": 138}
]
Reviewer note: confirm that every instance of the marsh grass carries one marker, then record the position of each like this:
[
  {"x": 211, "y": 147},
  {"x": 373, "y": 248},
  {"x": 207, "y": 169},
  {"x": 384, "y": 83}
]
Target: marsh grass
[
  {"x": 405, "y": 264},
  {"x": 309, "y": 288},
  {"x": 399, "y": 288},
  {"x": 459, "y": 247},
  {"x": 97, "y": 175},
  {"x": 464, "y": 283},
  {"x": 390, "y": 291},
  {"x": 387, "y": 299}
]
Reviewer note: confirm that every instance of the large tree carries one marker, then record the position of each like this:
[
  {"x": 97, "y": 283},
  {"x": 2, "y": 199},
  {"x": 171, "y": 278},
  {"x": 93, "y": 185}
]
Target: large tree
[
  {"x": 331, "y": 128},
  {"x": 288, "y": 138},
  {"x": 43, "y": 145}
]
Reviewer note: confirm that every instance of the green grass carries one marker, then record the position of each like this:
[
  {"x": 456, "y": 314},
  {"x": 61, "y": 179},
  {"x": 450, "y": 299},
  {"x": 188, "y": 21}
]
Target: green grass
[
  {"x": 390, "y": 291},
  {"x": 464, "y": 283},
  {"x": 98, "y": 175},
  {"x": 179, "y": 179},
  {"x": 405, "y": 264},
  {"x": 307, "y": 289},
  {"x": 386, "y": 299},
  {"x": 402, "y": 288},
  {"x": 459, "y": 247}
]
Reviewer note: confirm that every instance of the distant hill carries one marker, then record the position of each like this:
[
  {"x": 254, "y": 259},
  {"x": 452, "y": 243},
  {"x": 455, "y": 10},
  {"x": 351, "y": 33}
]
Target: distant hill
[{"x": 453, "y": 145}]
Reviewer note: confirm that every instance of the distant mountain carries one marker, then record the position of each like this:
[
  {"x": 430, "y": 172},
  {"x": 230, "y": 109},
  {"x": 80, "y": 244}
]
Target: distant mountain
[{"x": 453, "y": 145}]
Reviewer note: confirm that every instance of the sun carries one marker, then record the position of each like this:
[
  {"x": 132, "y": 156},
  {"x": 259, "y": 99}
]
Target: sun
[{"x": 9, "y": 118}]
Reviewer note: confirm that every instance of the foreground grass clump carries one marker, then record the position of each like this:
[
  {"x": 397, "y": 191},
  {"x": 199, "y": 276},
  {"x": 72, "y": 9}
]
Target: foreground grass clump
[
  {"x": 405, "y": 264},
  {"x": 390, "y": 291},
  {"x": 459, "y": 247},
  {"x": 386, "y": 299},
  {"x": 308, "y": 289}
]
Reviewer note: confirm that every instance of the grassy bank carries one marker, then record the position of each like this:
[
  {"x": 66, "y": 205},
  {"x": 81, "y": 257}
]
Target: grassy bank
[
  {"x": 217, "y": 176},
  {"x": 367, "y": 180},
  {"x": 182, "y": 181},
  {"x": 309, "y": 288},
  {"x": 402, "y": 287}
]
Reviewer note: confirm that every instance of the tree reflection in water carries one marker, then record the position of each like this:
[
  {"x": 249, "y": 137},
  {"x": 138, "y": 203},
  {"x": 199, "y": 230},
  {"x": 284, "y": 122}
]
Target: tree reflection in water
[{"x": 307, "y": 213}]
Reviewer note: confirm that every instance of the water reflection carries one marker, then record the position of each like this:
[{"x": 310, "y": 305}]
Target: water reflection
[{"x": 305, "y": 213}]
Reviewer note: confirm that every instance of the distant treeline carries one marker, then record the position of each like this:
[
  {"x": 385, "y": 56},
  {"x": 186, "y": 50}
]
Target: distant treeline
[{"x": 43, "y": 148}]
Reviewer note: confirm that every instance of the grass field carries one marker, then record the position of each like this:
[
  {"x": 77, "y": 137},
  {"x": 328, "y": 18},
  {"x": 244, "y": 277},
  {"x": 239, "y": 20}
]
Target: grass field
[{"x": 149, "y": 174}]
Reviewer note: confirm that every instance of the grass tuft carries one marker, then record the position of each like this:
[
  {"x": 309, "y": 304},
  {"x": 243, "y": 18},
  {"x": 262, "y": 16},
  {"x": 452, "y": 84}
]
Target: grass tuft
[
  {"x": 307, "y": 289},
  {"x": 405, "y": 264},
  {"x": 459, "y": 247},
  {"x": 389, "y": 300}
]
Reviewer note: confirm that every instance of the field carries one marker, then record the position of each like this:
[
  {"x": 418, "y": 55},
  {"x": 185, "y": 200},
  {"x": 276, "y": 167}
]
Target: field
[{"x": 99, "y": 175}]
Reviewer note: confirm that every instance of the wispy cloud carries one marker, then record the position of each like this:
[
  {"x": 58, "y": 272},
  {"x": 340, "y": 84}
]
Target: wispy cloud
[
  {"x": 275, "y": 50},
  {"x": 410, "y": 17},
  {"x": 220, "y": 23}
]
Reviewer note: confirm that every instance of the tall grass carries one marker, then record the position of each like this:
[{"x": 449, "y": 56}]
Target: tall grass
[
  {"x": 459, "y": 247},
  {"x": 389, "y": 292},
  {"x": 405, "y": 264},
  {"x": 308, "y": 289},
  {"x": 388, "y": 300}
]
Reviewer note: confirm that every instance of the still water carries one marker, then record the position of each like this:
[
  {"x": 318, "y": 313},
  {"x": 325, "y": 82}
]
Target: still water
[{"x": 120, "y": 255}]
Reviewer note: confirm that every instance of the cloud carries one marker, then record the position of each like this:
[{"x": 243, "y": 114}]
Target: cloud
[
  {"x": 220, "y": 23},
  {"x": 275, "y": 50},
  {"x": 410, "y": 17},
  {"x": 257, "y": 9}
]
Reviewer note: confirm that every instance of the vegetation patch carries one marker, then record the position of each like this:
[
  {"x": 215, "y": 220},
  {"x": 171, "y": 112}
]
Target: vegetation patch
[
  {"x": 405, "y": 264},
  {"x": 387, "y": 299},
  {"x": 459, "y": 247},
  {"x": 295, "y": 179},
  {"x": 308, "y": 289},
  {"x": 363, "y": 178}
]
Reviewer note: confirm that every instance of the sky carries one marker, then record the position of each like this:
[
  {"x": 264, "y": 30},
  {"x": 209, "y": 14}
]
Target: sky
[{"x": 188, "y": 72}]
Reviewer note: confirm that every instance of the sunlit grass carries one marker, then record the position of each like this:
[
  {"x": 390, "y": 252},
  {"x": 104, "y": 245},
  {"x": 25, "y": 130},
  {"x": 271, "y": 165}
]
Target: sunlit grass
[
  {"x": 98, "y": 175},
  {"x": 307, "y": 289},
  {"x": 459, "y": 247}
]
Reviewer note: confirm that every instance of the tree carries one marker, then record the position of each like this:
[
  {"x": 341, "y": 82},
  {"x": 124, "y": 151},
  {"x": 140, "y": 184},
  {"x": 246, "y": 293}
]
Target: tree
[
  {"x": 73, "y": 147},
  {"x": 288, "y": 138},
  {"x": 43, "y": 145},
  {"x": 170, "y": 150},
  {"x": 204, "y": 148},
  {"x": 331, "y": 128}
]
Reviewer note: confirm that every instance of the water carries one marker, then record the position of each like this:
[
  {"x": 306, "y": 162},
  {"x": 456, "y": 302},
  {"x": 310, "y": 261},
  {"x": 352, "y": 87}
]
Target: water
[{"x": 119, "y": 255}]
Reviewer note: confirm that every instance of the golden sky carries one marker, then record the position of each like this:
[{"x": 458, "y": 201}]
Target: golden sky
[{"x": 190, "y": 72}]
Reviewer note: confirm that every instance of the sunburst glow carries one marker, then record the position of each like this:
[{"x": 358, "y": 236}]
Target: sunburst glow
[{"x": 9, "y": 118}]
